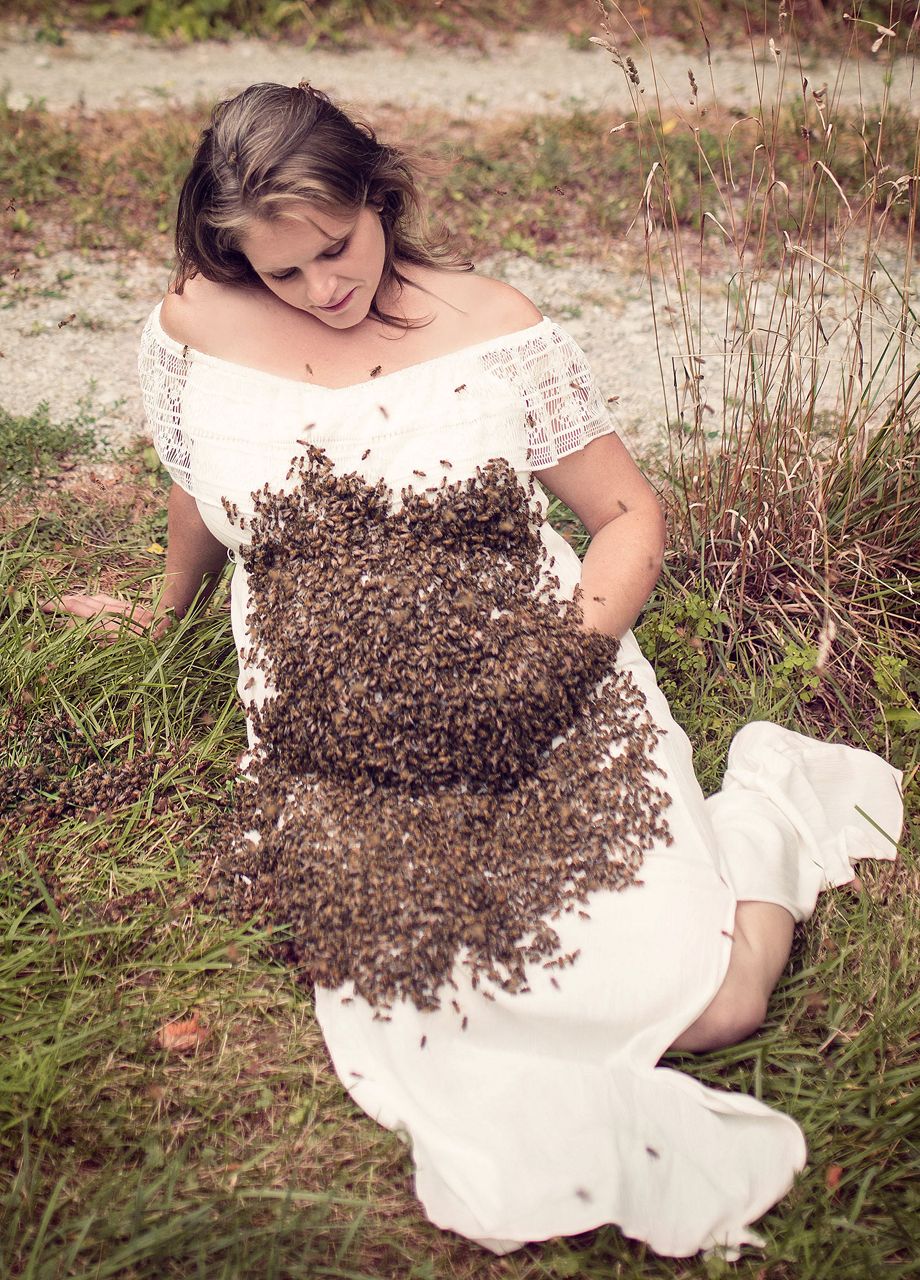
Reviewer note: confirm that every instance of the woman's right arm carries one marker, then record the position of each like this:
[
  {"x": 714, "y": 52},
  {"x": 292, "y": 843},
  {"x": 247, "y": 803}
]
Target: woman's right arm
[
  {"x": 194, "y": 557},
  {"x": 194, "y": 560}
]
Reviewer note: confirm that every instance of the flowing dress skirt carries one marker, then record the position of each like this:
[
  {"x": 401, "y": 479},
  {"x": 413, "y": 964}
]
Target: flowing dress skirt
[{"x": 547, "y": 1113}]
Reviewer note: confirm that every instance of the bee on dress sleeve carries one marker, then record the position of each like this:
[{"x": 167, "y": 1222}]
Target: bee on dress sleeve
[{"x": 376, "y": 370}]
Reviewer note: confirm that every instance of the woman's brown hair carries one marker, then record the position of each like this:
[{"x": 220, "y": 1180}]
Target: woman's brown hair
[{"x": 270, "y": 148}]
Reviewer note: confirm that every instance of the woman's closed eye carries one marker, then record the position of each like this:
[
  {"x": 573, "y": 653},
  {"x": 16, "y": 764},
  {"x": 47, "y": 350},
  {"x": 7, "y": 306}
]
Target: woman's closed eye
[{"x": 335, "y": 252}]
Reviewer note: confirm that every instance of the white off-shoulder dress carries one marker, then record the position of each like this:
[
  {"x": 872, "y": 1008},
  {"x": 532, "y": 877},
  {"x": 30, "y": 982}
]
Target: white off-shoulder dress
[{"x": 549, "y": 1114}]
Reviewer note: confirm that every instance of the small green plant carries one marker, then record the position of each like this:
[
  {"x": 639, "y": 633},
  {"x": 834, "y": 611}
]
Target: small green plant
[
  {"x": 32, "y": 446},
  {"x": 797, "y": 670}
]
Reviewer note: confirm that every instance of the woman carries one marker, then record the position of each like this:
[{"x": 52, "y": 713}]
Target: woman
[{"x": 310, "y": 308}]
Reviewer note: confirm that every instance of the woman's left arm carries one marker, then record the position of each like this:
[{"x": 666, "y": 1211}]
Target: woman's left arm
[{"x": 618, "y": 507}]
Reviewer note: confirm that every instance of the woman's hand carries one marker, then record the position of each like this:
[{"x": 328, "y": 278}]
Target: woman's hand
[
  {"x": 194, "y": 561},
  {"x": 112, "y": 617}
]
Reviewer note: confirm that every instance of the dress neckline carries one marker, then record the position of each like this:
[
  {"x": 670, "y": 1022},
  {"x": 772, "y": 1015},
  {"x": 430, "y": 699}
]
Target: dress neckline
[{"x": 201, "y": 357}]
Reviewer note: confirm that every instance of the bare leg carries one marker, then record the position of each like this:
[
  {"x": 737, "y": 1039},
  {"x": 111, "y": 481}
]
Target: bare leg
[{"x": 760, "y": 950}]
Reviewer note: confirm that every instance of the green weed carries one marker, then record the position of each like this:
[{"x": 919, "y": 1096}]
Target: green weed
[{"x": 33, "y": 447}]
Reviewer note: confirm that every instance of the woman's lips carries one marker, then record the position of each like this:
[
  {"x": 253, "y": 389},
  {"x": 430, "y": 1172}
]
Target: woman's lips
[{"x": 338, "y": 306}]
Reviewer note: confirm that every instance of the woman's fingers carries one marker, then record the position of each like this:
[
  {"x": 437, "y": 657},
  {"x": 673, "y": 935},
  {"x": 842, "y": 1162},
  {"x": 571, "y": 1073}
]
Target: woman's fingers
[
  {"x": 112, "y": 615},
  {"x": 83, "y": 606}
]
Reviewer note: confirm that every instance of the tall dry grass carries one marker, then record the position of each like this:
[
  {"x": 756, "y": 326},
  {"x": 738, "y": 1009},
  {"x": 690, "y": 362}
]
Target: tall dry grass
[{"x": 794, "y": 458}]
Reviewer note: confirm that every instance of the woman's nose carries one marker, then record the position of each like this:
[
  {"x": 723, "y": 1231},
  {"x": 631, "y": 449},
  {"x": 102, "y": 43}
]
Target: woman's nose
[{"x": 321, "y": 286}]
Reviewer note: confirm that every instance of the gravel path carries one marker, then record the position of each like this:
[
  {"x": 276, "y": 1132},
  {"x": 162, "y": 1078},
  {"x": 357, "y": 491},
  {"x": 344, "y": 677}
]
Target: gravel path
[
  {"x": 606, "y": 306},
  {"x": 533, "y": 72}
]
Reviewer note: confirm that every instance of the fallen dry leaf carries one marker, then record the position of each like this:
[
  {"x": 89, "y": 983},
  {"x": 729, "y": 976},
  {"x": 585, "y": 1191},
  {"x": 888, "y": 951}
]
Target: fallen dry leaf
[
  {"x": 182, "y": 1035},
  {"x": 833, "y": 1176}
]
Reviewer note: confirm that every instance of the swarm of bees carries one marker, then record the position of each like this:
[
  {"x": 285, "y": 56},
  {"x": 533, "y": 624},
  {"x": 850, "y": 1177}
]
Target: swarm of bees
[
  {"x": 69, "y": 781},
  {"x": 446, "y": 760}
]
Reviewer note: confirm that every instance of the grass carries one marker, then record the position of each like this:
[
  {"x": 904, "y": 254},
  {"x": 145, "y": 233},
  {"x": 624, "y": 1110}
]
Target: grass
[
  {"x": 32, "y": 447},
  {"x": 335, "y": 23},
  {"x": 543, "y": 184},
  {"x": 344, "y": 23},
  {"x": 243, "y": 1157}
]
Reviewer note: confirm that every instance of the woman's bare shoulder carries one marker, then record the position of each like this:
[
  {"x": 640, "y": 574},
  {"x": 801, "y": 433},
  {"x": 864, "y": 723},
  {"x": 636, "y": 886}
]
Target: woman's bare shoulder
[
  {"x": 491, "y": 306},
  {"x": 207, "y": 315}
]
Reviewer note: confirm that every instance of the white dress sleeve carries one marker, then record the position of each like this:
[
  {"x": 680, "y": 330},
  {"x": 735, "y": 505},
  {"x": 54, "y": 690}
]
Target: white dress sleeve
[
  {"x": 564, "y": 407},
  {"x": 162, "y": 376}
]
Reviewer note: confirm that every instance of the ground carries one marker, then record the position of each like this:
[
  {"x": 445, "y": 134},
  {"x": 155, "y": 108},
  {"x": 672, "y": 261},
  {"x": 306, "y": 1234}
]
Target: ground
[
  {"x": 602, "y": 297},
  {"x": 167, "y": 1108}
]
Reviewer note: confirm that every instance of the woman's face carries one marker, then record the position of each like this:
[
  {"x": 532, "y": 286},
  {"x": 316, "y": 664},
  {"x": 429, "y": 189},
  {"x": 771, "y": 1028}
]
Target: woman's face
[{"x": 327, "y": 264}]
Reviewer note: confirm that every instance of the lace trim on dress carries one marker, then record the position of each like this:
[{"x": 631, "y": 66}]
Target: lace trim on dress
[
  {"x": 561, "y": 408},
  {"x": 563, "y": 405},
  {"x": 163, "y": 374}
]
